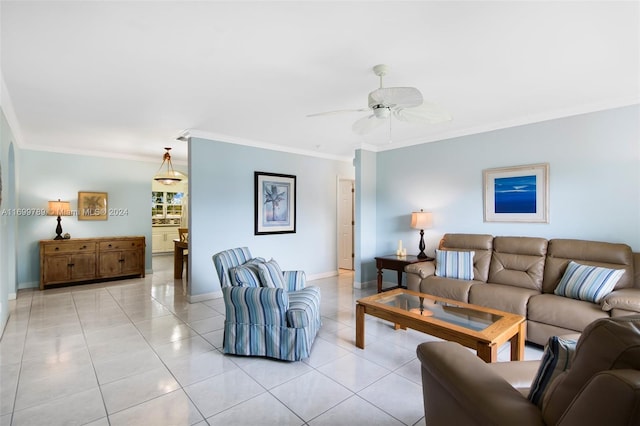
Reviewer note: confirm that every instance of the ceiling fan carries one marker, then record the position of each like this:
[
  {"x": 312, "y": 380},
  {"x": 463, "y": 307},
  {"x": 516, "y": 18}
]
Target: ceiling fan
[{"x": 403, "y": 103}]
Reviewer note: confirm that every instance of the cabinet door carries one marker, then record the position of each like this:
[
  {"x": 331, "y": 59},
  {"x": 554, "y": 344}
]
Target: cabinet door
[
  {"x": 110, "y": 264},
  {"x": 131, "y": 261},
  {"x": 56, "y": 269},
  {"x": 83, "y": 266}
]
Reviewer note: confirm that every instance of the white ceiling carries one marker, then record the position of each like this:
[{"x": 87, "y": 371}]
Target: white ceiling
[{"x": 126, "y": 78}]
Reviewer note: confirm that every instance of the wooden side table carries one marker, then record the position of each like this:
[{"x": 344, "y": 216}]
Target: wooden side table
[{"x": 396, "y": 263}]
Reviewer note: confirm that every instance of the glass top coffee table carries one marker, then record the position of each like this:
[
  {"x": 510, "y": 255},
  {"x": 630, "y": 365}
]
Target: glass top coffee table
[{"x": 476, "y": 327}]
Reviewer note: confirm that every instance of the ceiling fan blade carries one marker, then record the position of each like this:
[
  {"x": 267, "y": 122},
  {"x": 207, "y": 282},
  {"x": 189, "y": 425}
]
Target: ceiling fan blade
[
  {"x": 427, "y": 113},
  {"x": 366, "y": 124},
  {"x": 402, "y": 97},
  {"x": 340, "y": 111}
]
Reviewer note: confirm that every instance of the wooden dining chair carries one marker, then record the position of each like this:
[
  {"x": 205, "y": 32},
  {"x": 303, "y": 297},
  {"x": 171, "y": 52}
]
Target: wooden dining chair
[{"x": 183, "y": 235}]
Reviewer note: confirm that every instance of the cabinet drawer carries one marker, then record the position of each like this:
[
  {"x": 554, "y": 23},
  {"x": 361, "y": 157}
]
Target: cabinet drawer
[
  {"x": 121, "y": 244},
  {"x": 70, "y": 247}
]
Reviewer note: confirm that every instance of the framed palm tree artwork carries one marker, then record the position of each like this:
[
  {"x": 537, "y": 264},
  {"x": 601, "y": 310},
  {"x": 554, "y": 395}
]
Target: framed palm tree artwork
[
  {"x": 275, "y": 203},
  {"x": 92, "y": 205}
]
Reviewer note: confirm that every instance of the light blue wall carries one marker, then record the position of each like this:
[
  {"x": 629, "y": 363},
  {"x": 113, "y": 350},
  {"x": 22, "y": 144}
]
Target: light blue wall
[
  {"x": 221, "y": 190},
  {"x": 365, "y": 217},
  {"x": 48, "y": 176},
  {"x": 8, "y": 221},
  {"x": 594, "y": 181}
]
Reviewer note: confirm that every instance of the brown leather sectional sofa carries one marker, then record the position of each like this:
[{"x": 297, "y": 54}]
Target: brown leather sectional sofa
[{"x": 519, "y": 275}]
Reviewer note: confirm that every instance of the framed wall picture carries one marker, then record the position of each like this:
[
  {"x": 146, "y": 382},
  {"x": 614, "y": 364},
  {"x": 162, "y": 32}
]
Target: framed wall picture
[
  {"x": 517, "y": 194},
  {"x": 275, "y": 203},
  {"x": 92, "y": 206}
]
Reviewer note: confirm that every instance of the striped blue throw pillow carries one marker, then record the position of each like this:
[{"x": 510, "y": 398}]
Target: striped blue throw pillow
[
  {"x": 271, "y": 274},
  {"x": 557, "y": 357},
  {"x": 245, "y": 276},
  {"x": 589, "y": 283},
  {"x": 454, "y": 264}
]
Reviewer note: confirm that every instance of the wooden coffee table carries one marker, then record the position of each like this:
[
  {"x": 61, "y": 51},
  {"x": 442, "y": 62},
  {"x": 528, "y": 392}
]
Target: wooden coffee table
[{"x": 476, "y": 327}]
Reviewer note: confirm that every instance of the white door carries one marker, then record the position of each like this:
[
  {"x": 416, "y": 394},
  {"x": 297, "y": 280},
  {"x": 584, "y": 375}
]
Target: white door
[{"x": 345, "y": 225}]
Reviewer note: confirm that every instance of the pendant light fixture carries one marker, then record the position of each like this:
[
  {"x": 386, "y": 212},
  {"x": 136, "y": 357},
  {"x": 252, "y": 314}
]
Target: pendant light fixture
[{"x": 169, "y": 176}]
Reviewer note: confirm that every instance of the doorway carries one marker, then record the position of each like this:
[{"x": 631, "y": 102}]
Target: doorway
[{"x": 346, "y": 194}]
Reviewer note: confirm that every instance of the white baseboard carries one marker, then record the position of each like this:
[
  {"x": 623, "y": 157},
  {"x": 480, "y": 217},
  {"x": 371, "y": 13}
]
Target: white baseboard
[
  {"x": 205, "y": 296},
  {"x": 322, "y": 275},
  {"x": 11, "y": 296},
  {"x": 358, "y": 285}
]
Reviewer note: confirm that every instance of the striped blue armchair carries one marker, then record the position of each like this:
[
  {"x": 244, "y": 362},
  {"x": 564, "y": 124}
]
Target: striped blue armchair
[{"x": 268, "y": 312}]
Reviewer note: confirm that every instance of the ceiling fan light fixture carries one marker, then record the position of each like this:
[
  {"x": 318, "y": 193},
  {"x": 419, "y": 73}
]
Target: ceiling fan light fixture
[
  {"x": 169, "y": 176},
  {"x": 381, "y": 111}
]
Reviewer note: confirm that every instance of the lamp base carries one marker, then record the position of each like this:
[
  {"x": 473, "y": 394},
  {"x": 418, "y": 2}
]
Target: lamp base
[
  {"x": 59, "y": 230},
  {"x": 422, "y": 246}
]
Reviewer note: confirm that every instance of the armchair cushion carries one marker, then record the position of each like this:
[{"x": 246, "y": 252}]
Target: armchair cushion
[
  {"x": 557, "y": 358},
  {"x": 271, "y": 275},
  {"x": 245, "y": 276}
]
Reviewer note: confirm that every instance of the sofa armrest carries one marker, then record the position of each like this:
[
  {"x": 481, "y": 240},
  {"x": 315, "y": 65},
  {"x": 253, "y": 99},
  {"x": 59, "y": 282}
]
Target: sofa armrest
[
  {"x": 294, "y": 280},
  {"x": 416, "y": 272},
  {"x": 255, "y": 305},
  {"x": 627, "y": 299},
  {"x": 610, "y": 397},
  {"x": 422, "y": 269},
  {"x": 459, "y": 388}
]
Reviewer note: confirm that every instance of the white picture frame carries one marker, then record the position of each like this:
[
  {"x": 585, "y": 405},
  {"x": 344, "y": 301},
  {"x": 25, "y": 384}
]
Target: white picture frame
[{"x": 517, "y": 194}]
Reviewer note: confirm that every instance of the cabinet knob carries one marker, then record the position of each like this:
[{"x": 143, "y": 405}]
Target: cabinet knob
[
  {"x": 57, "y": 248},
  {"x": 109, "y": 245}
]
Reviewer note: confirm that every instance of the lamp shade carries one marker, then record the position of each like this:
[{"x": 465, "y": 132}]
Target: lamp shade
[
  {"x": 59, "y": 208},
  {"x": 421, "y": 220}
]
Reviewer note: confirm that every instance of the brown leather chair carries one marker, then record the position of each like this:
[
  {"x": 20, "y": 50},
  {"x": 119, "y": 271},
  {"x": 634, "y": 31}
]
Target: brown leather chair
[{"x": 602, "y": 387}]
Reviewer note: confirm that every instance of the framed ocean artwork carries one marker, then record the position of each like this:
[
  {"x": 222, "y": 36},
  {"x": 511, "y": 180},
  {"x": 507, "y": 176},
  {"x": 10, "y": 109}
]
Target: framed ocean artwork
[
  {"x": 275, "y": 203},
  {"x": 517, "y": 194}
]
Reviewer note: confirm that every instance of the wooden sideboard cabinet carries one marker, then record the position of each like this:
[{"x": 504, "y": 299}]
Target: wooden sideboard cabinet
[{"x": 90, "y": 259}]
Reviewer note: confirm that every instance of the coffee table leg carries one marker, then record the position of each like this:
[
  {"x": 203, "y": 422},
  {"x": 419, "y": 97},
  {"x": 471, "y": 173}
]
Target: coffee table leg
[
  {"x": 360, "y": 326},
  {"x": 517, "y": 343},
  {"x": 487, "y": 352},
  {"x": 379, "y": 280}
]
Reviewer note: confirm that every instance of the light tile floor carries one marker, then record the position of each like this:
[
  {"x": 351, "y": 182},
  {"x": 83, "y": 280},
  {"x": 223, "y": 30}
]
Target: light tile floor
[{"x": 134, "y": 352}]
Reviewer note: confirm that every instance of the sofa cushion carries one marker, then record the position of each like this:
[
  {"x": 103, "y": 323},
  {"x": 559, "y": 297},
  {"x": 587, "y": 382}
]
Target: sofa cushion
[
  {"x": 608, "y": 255},
  {"x": 569, "y": 314},
  {"x": 557, "y": 357},
  {"x": 503, "y": 297},
  {"x": 481, "y": 244},
  {"x": 454, "y": 264},
  {"x": 448, "y": 288},
  {"x": 518, "y": 261},
  {"x": 586, "y": 282},
  {"x": 271, "y": 274}
]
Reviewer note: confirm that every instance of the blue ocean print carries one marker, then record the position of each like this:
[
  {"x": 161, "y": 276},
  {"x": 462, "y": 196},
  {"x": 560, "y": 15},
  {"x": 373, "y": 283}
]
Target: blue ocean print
[{"x": 515, "y": 194}]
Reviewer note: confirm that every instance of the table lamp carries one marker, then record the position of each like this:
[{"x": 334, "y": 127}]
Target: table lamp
[
  {"x": 59, "y": 208},
  {"x": 421, "y": 220}
]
